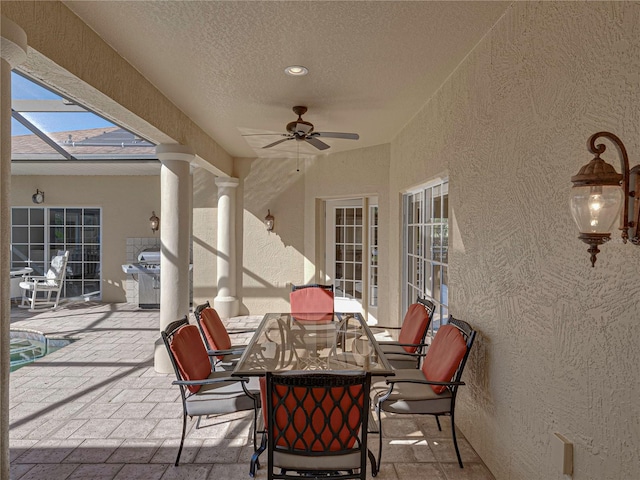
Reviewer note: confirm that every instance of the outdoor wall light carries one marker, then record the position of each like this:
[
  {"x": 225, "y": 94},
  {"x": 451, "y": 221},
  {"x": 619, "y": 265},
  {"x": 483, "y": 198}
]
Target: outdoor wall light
[
  {"x": 38, "y": 197},
  {"x": 269, "y": 221},
  {"x": 154, "y": 222},
  {"x": 597, "y": 194}
]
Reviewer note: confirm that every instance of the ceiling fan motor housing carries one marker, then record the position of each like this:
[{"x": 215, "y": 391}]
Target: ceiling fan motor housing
[{"x": 300, "y": 127}]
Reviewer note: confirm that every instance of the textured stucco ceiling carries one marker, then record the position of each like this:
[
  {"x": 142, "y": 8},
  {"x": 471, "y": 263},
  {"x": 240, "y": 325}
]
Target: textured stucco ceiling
[{"x": 372, "y": 65}]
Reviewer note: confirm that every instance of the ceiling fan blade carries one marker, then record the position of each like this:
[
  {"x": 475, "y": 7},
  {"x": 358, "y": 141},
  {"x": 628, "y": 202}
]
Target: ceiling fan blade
[
  {"x": 278, "y": 142},
  {"x": 347, "y": 136},
  {"x": 317, "y": 143},
  {"x": 262, "y": 134}
]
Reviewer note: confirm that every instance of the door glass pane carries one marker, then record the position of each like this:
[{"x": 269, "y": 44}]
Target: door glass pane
[
  {"x": 20, "y": 216},
  {"x": 52, "y": 231},
  {"x": 91, "y": 216},
  {"x": 37, "y": 235},
  {"x": 37, "y": 216},
  {"x": 20, "y": 234}
]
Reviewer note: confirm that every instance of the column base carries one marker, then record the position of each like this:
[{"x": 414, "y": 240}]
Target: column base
[
  {"x": 226, "y": 307},
  {"x": 161, "y": 360}
]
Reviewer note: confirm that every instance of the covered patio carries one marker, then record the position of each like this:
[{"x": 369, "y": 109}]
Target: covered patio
[{"x": 98, "y": 409}]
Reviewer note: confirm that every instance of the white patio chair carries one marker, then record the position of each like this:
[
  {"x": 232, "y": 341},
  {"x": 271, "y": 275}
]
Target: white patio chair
[{"x": 47, "y": 286}]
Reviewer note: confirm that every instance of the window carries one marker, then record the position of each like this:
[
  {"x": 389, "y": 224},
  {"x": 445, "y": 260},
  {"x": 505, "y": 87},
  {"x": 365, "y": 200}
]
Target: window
[
  {"x": 426, "y": 244},
  {"x": 37, "y": 234},
  {"x": 373, "y": 255}
]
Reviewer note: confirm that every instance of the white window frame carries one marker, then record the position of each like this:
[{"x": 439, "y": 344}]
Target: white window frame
[{"x": 425, "y": 247}]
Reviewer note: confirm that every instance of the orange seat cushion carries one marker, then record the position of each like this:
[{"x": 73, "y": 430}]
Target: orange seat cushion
[
  {"x": 214, "y": 330},
  {"x": 444, "y": 356},
  {"x": 190, "y": 355},
  {"x": 414, "y": 326}
]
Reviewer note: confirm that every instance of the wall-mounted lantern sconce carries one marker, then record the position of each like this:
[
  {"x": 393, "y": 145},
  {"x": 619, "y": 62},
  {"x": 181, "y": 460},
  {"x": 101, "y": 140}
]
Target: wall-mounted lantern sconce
[
  {"x": 269, "y": 221},
  {"x": 599, "y": 191},
  {"x": 38, "y": 197},
  {"x": 154, "y": 222}
]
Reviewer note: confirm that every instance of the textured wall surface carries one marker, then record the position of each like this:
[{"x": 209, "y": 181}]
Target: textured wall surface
[
  {"x": 556, "y": 351},
  {"x": 270, "y": 261}
]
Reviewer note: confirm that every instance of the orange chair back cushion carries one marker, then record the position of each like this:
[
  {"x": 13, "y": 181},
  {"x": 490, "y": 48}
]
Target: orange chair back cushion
[
  {"x": 414, "y": 326},
  {"x": 444, "y": 356},
  {"x": 214, "y": 330},
  {"x": 327, "y": 419},
  {"x": 190, "y": 355},
  {"x": 312, "y": 304}
]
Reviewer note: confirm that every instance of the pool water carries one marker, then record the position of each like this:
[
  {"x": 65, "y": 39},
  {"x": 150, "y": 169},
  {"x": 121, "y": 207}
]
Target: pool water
[{"x": 26, "y": 346}]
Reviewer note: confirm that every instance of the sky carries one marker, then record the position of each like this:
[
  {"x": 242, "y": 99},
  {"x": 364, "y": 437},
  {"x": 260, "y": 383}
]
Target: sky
[{"x": 24, "y": 89}]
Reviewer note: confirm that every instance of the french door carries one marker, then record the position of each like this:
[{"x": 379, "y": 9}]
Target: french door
[
  {"x": 39, "y": 233},
  {"x": 352, "y": 254}
]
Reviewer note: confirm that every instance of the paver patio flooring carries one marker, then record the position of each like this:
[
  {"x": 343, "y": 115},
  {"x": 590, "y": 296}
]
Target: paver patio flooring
[{"x": 96, "y": 409}]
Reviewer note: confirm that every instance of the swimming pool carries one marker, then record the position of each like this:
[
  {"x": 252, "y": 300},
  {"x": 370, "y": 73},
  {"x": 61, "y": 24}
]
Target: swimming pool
[{"x": 26, "y": 346}]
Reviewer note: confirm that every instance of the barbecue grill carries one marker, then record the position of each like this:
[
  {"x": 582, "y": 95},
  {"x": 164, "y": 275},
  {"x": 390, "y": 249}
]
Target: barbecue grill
[{"x": 148, "y": 271}]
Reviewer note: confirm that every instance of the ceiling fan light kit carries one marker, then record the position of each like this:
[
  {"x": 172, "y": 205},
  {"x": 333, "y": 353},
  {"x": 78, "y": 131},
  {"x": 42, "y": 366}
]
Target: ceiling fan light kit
[{"x": 302, "y": 130}]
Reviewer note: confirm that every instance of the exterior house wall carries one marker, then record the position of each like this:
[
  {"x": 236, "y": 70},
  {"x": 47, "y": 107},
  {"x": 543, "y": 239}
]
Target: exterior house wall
[
  {"x": 351, "y": 174},
  {"x": 556, "y": 350},
  {"x": 126, "y": 202},
  {"x": 271, "y": 261}
]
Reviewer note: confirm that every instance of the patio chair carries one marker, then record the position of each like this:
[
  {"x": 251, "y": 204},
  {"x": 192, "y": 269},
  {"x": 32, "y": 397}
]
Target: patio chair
[
  {"x": 407, "y": 351},
  {"x": 311, "y": 302},
  {"x": 205, "y": 392},
  {"x": 216, "y": 337},
  {"x": 432, "y": 389},
  {"x": 37, "y": 291},
  {"x": 316, "y": 425}
]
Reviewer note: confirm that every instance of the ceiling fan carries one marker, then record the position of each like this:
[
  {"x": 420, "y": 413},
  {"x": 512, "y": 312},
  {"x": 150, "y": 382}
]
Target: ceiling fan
[{"x": 302, "y": 130}]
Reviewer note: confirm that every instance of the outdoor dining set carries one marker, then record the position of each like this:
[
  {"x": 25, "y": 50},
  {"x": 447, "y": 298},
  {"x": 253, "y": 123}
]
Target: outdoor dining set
[{"x": 317, "y": 381}]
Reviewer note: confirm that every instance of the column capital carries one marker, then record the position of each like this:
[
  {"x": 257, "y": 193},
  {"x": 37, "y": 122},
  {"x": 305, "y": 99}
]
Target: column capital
[
  {"x": 174, "y": 151},
  {"x": 230, "y": 182},
  {"x": 14, "y": 42}
]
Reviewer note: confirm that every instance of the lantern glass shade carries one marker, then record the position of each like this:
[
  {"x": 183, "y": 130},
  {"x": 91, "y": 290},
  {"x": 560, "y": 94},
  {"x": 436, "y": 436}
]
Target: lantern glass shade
[{"x": 595, "y": 208}]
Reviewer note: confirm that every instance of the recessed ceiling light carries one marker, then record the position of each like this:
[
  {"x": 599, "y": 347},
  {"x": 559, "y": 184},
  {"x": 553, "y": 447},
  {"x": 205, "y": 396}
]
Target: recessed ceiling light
[{"x": 296, "y": 70}]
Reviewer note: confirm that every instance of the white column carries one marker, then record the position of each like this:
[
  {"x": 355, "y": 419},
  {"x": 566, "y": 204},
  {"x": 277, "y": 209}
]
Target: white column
[
  {"x": 176, "y": 192},
  {"x": 14, "y": 52},
  {"x": 226, "y": 302}
]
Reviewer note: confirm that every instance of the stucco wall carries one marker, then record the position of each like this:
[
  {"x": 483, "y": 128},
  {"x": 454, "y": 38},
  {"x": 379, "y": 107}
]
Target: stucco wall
[
  {"x": 352, "y": 174},
  {"x": 126, "y": 202},
  {"x": 270, "y": 262},
  {"x": 556, "y": 351}
]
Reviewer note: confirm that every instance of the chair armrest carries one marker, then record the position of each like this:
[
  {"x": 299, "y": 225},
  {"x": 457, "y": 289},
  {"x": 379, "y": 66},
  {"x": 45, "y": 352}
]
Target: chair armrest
[
  {"x": 210, "y": 381},
  {"x": 423, "y": 382},
  {"x": 232, "y": 332},
  {"x": 231, "y": 351},
  {"x": 407, "y": 354},
  {"x": 383, "y": 343},
  {"x": 385, "y": 327},
  {"x": 34, "y": 278}
]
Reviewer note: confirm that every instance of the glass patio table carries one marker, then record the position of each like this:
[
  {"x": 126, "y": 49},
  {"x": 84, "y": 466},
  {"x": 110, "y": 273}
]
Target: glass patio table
[{"x": 283, "y": 342}]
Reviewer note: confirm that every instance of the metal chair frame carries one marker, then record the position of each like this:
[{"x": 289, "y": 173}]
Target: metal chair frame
[
  {"x": 452, "y": 386},
  {"x": 167, "y": 337},
  {"x": 297, "y": 439},
  {"x": 421, "y": 346},
  {"x": 230, "y": 355}
]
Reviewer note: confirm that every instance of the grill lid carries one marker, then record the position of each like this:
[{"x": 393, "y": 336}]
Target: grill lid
[{"x": 150, "y": 255}]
